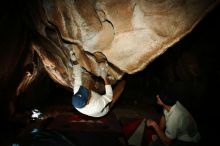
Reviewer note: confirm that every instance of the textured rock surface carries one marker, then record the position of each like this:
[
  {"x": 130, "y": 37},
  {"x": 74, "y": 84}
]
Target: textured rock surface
[{"x": 129, "y": 33}]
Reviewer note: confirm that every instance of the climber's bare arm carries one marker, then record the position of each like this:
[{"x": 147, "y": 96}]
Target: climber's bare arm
[{"x": 119, "y": 88}]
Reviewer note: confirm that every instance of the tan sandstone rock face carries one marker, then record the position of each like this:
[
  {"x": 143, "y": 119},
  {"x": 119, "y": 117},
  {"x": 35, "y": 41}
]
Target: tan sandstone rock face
[{"x": 129, "y": 33}]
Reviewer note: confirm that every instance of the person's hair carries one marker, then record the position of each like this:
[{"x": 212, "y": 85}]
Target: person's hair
[{"x": 168, "y": 97}]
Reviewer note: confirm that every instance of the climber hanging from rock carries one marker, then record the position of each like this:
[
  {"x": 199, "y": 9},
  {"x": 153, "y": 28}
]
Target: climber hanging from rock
[{"x": 85, "y": 99}]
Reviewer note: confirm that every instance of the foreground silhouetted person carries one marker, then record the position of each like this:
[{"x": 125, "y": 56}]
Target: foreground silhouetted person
[{"x": 177, "y": 126}]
